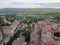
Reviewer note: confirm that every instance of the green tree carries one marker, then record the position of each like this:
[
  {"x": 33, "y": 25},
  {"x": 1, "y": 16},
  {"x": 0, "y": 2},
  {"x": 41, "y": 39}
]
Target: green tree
[
  {"x": 0, "y": 20},
  {"x": 56, "y": 19},
  {"x": 57, "y": 34},
  {"x": 27, "y": 35},
  {"x": 6, "y": 24}
]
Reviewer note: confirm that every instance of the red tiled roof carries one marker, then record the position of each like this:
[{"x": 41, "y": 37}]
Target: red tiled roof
[
  {"x": 34, "y": 36},
  {"x": 19, "y": 41},
  {"x": 15, "y": 23},
  {"x": 0, "y": 34},
  {"x": 6, "y": 28},
  {"x": 23, "y": 26}
]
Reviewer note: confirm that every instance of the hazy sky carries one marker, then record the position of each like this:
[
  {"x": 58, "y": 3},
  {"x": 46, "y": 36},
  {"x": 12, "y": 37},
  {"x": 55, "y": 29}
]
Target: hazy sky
[{"x": 29, "y": 3}]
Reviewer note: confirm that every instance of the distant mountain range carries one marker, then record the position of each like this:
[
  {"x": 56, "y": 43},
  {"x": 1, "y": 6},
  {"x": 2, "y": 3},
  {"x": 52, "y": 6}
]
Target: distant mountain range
[
  {"x": 29, "y": 10},
  {"x": 10, "y": 10}
]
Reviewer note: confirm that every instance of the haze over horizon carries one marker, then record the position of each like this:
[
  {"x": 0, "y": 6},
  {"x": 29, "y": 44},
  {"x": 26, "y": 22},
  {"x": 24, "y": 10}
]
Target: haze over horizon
[{"x": 29, "y": 4}]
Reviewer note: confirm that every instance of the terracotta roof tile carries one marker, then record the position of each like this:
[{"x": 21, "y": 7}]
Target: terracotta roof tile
[
  {"x": 34, "y": 36},
  {"x": 19, "y": 41}
]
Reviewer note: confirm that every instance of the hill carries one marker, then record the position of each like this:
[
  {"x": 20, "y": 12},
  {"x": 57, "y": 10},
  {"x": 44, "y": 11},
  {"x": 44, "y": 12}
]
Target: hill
[{"x": 30, "y": 11}]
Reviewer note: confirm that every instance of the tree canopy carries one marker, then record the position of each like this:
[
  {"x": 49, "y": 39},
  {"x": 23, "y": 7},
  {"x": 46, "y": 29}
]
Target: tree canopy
[
  {"x": 0, "y": 20},
  {"x": 57, "y": 34},
  {"x": 27, "y": 35}
]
